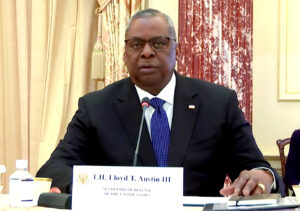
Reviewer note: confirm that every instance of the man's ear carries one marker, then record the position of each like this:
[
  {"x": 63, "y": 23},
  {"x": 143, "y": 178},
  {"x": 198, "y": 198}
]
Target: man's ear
[{"x": 177, "y": 52}]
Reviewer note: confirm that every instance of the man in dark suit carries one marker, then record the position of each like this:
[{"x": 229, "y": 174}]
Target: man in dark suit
[{"x": 209, "y": 136}]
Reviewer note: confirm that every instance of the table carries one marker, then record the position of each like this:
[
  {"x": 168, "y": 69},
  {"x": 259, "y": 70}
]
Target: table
[{"x": 5, "y": 207}]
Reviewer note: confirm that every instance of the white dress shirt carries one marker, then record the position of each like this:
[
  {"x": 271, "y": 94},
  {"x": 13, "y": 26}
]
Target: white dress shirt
[{"x": 167, "y": 94}]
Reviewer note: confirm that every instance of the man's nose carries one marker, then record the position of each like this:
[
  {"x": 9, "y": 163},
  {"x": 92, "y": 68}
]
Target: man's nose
[{"x": 147, "y": 51}]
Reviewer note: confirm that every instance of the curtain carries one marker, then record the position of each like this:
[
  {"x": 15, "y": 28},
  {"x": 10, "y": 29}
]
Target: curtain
[
  {"x": 112, "y": 22},
  {"x": 13, "y": 117},
  {"x": 45, "y": 66},
  {"x": 215, "y": 40}
]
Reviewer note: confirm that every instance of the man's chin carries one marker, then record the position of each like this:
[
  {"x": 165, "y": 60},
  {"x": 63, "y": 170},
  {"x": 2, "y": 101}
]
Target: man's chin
[{"x": 153, "y": 87}]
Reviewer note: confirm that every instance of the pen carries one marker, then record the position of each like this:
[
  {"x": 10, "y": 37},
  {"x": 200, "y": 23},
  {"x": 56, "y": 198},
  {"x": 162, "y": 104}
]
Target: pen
[{"x": 227, "y": 182}]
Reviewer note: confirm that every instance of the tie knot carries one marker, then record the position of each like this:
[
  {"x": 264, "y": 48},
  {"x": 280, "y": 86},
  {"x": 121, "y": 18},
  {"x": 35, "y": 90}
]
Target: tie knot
[{"x": 156, "y": 102}]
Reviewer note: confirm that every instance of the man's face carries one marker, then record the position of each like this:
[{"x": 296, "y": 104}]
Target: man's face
[{"x": 150, "y": 68}]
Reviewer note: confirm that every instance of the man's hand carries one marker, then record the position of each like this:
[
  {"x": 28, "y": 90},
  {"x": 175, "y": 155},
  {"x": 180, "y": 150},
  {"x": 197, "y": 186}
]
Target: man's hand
[{"x": 256, "y": 181}]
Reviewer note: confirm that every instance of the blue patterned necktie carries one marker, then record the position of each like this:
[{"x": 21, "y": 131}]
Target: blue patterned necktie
[{"x": 160, "y": 132}]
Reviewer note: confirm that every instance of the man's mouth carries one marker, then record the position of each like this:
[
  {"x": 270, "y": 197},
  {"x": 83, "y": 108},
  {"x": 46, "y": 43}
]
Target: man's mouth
[{"x": 147, "y": 68}]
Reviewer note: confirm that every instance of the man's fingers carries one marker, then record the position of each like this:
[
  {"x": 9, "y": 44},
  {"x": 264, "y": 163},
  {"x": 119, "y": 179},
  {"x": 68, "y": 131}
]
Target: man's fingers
[
  {"x": 234, "y": 189},
  {"x": 249, "y": 183},
  {"x": 259, "y": 189},
  {"x": 250, "y": 186},
  {"x": 262, "y": 187},
  {"x": 240, "y": 183},
  {"x": 227, "y": 191}
]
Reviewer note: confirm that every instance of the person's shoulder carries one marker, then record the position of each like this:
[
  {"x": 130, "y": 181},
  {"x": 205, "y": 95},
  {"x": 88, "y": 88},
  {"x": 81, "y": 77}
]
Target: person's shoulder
[
  {"x": 109, "y": 89},
  {"x": 296, "y": 135},
  {"x": 108, "y": 93},
  {"x": 205, "y": 86}
]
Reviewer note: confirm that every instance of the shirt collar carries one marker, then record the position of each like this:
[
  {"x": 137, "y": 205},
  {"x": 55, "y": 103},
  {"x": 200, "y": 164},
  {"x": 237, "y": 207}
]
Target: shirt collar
[{"x": 166, "y": 94}]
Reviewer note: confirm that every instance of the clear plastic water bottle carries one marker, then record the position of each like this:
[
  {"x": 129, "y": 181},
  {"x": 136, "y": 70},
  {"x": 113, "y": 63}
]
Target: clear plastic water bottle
[{"x": 21, "y": 186}]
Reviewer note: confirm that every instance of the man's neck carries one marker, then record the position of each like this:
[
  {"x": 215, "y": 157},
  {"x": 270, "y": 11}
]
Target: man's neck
[{"x": 167, "y": 93}]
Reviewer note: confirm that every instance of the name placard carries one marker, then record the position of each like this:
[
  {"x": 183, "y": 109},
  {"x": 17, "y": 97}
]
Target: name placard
[{"x": 127, "y": 188}]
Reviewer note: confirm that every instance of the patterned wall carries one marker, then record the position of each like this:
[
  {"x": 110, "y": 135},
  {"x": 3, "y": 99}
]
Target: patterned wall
[{"x": 215, "y": 39}]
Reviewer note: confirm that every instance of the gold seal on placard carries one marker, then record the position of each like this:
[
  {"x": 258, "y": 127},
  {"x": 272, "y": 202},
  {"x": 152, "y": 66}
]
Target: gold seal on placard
[{"x": 83, "y": 178}]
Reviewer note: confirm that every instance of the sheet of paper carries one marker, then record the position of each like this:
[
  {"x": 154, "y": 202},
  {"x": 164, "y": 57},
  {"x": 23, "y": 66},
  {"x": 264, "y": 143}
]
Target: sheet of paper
[
  {"x": 296, "y": 189},
  {"x": 257, "y": 199},
  {"x": 283, "y": 203},
  {"x": 201, "y": 201}
]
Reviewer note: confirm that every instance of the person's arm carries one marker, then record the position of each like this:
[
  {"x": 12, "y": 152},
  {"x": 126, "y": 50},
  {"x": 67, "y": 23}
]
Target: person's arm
[
  {"x": 69, "y": 151},
  {"x": 246, "y": 158},
  {"x": 292, "y": 167}
]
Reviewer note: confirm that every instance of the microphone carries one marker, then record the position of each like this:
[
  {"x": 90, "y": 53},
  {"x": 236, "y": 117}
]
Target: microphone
[{"x": 145, "y": 105}]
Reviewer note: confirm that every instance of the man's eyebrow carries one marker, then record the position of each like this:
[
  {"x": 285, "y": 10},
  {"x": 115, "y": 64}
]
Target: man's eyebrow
[
  {"x": 140, "y": 38},
  {"x": 135, "y": 37}
]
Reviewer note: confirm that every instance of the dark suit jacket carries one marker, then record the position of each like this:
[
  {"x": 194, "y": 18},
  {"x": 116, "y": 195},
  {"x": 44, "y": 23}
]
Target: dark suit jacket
[
  {"x": 209, "y": 141},
  {"x": 292, "y": 167}
]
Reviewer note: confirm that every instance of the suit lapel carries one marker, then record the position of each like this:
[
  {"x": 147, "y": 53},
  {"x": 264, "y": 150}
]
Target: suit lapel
[
  {"x": 130, "y": 112},
  {"x": 186, "y": 105}
]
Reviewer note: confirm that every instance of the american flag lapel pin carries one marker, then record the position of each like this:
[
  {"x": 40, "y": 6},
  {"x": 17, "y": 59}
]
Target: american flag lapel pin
[{"x": 192, "y": 106}]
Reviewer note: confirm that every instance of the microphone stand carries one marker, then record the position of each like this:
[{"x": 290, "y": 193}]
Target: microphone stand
[{"x": 145, "y": 105}]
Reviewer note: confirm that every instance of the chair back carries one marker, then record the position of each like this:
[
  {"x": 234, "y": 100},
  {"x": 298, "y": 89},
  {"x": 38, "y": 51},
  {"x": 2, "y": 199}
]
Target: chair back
[{"x": 281, "y": 143}]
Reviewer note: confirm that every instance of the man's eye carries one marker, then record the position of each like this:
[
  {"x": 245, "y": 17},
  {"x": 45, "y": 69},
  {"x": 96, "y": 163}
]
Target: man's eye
[
  {"x": 159, "y": 44},
  {"x": 136, "y": 44}
]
